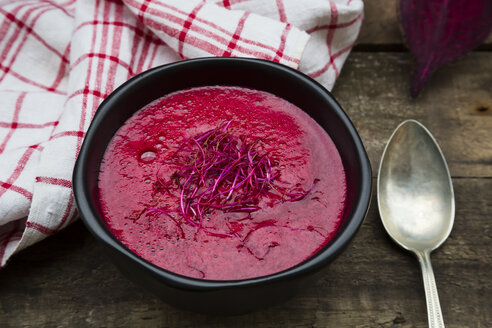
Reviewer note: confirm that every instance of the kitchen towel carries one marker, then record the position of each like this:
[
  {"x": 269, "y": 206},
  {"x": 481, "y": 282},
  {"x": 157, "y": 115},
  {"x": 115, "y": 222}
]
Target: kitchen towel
[{"x": 59, "y": 59}]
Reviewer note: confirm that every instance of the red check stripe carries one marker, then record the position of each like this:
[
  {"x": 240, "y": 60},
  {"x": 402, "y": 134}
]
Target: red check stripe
[
  {"x": 186, "y": 27},
  {"x": 107, "y": 8},
  {"x": 111, "y": 57},
  {"x": 29, "y": 29},
  {"x": 336, "y": 26},
  {"x": 138, "y": 30},
  {"x": 331, "y": 33},
  {"x": 62, "y": 7},
  {"x": 15, "y": 119},
  {"x": 86, "y": 90},
  {"x": 66, "y": 217},
  {"x": 212, "y": 48},
  {"x": 7, "y": 25},
  {"x": 135, "y": 43},
  {"x": 281, "y": 11},
  {"x": 236, "y": 36},
  {"x": 66, "y": 213},
  {"x": 197, "y": 29},
  {"x": 17, "y": 171},
  {"x": 28, "y": 81},
  {"x": 143, "y": 9},
  {"x": 143, "y": 55},
  {"x": 61, "y": 69},
  {"x": 49, "y": 231},
  {"x": 281, "y": 48},
  {"x": 331, "y": 62},
  {"x": 78, "y": 134},
  {"x": 152, "y": 58},
  {"x": 139, "y": 35},
  {"x": 329, "y": 39},
  {"x": 55, "y": 181},
  {"x": 17, "y": 189},
  {"x": 27, "y": 125},
  {"x": 115, "y": 49},
  {"x": 226, "y": 4},
  {"x": 198, "y": 43},
  {"x": 39, "y": 227}
]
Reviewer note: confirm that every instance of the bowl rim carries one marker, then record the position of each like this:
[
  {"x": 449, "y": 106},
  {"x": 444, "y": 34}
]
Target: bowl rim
[{"x": 94, "y": 224}]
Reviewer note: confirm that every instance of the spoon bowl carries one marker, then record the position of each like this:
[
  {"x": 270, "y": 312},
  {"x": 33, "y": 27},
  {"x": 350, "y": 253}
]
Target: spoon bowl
[{"x": 416, "y": 200}]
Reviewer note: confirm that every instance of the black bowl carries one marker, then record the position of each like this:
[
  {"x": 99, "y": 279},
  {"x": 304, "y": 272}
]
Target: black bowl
[{"x": 226, "y": 297}]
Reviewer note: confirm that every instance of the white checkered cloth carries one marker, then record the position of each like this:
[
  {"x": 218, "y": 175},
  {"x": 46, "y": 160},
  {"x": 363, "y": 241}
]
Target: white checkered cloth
[{"x": 60, "y": 59}]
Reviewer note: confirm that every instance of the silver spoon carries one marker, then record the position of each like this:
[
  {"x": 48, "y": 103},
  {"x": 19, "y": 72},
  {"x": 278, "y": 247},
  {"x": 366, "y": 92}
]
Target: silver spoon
[{"x": 416, "y": 200}]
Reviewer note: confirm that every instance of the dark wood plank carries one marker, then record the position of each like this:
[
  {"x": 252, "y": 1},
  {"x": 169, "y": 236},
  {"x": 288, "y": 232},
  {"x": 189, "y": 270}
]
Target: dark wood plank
[
  {"x": 456, "y": 106},
  {"x": 381, "y": 27},
  {"x": 67, "y": 281}
]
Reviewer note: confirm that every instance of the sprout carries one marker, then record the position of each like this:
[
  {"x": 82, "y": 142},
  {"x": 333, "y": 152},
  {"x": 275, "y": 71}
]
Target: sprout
[{"x": 219, "y": 171}]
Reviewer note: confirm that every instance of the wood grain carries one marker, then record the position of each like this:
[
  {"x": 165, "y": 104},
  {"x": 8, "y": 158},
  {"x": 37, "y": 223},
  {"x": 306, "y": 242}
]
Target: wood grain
[
  {"x": 66, "y": 281},
  {"x": 381, "y": 28},
  {"x": 456, "y": 106}
]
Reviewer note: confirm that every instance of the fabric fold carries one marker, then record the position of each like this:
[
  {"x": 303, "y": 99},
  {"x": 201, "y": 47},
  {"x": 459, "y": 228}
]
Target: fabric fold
[
  {"x": 59, "y": 59},
  {"x": 196, "y": 28}
]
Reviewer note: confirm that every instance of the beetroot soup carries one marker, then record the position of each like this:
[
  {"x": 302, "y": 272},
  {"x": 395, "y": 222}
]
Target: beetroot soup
[{"x": 222, "y": 183}]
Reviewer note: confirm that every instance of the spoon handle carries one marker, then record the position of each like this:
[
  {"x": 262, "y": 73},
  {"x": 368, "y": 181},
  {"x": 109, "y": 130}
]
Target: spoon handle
[{"x": 433, "y": 307}]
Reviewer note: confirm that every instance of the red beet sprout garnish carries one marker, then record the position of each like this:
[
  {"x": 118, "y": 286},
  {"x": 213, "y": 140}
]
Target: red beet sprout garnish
[{"x": 220, "y": 171}]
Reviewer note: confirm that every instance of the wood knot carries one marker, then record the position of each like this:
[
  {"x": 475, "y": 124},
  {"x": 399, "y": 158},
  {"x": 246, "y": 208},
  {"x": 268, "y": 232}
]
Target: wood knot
[
  {"x": 399, "y": 319},
  {"x": 482, "y": 109}
]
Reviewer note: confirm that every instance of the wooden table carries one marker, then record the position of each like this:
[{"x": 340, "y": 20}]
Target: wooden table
[{"x": 66, "y": 281}]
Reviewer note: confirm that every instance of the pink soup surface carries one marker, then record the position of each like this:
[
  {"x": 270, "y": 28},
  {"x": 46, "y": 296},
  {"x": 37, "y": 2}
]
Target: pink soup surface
[{"x": 280, "y": 234}]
